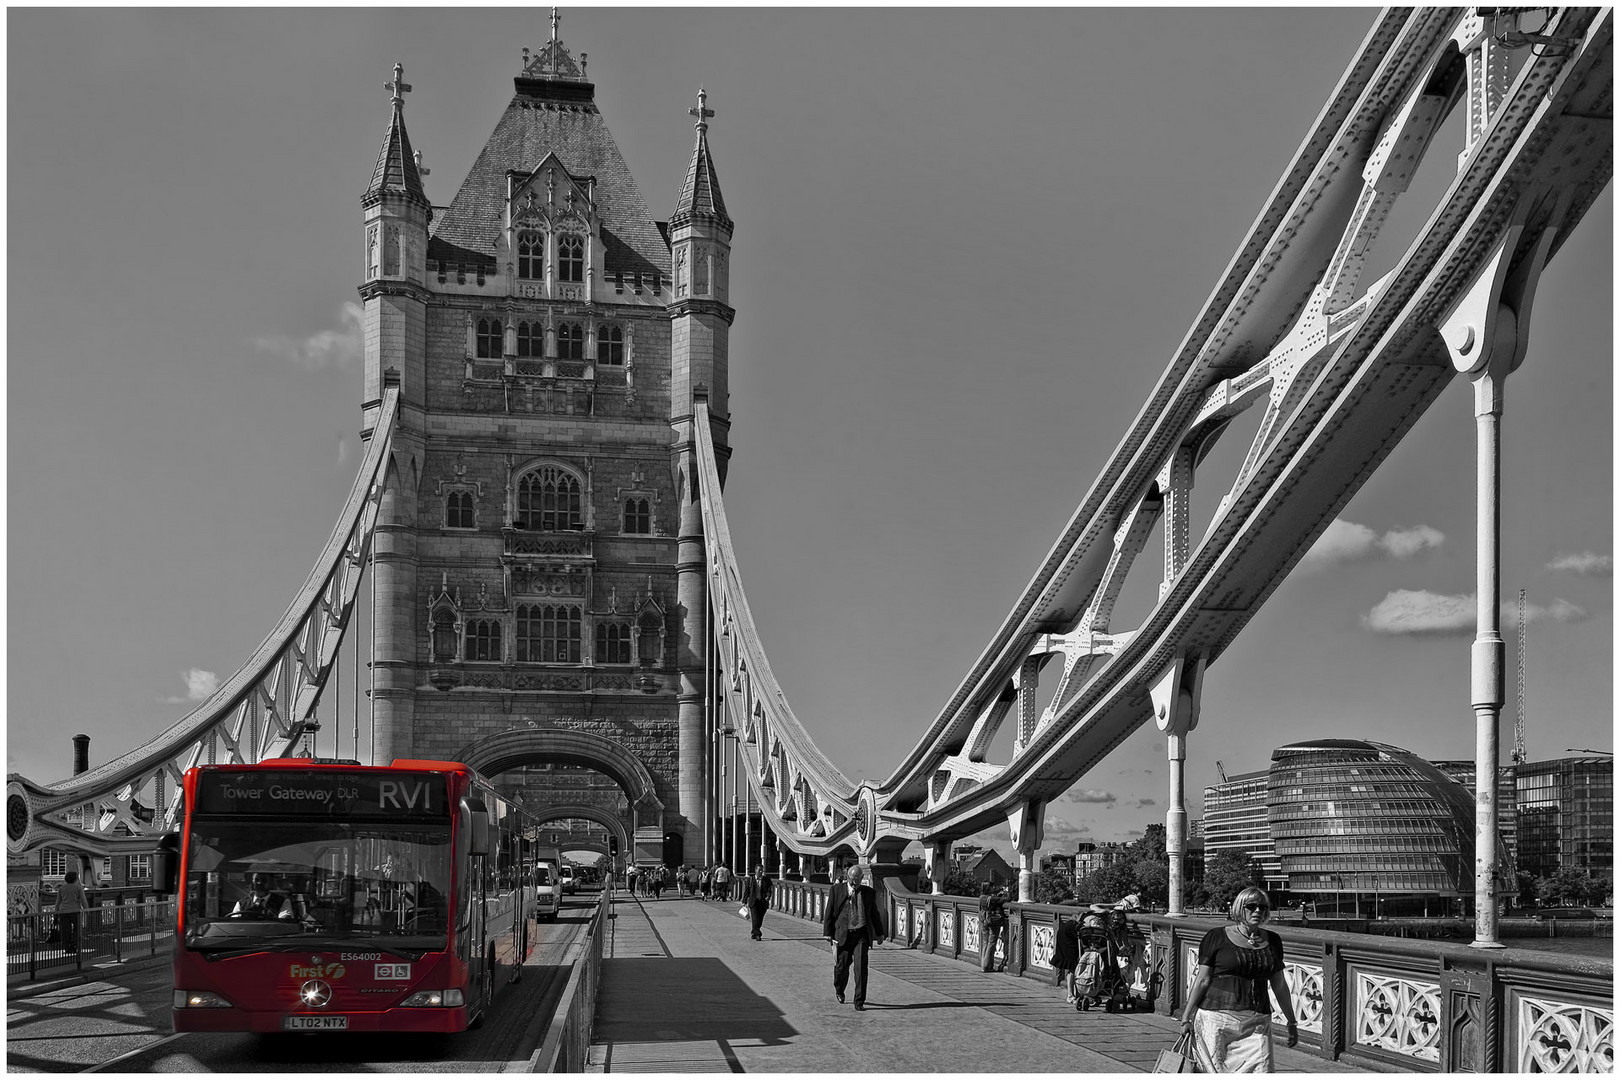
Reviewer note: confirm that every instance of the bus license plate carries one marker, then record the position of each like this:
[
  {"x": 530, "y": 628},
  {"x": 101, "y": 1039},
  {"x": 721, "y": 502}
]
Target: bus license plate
[{"x": 314, "y": 1023}]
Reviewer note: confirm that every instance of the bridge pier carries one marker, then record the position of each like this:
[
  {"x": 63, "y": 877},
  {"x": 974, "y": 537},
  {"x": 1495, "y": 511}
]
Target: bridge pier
[
  {"x": 937, "y": 855},
  {"x": 1027, "y": 824},
  {"x": 1176, "y": 698},
  {"x": 1486, "y": 334}
]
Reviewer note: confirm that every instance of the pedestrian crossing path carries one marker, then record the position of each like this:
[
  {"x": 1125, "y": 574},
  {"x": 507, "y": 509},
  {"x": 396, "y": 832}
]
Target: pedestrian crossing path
[{"x": 684, "y": 989}]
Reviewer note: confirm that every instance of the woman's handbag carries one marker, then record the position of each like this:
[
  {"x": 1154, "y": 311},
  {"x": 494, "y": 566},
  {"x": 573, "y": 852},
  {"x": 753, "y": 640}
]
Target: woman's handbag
[
  {"x": 743, "y": 911},
  {"x": 1177, "y": 1059}
]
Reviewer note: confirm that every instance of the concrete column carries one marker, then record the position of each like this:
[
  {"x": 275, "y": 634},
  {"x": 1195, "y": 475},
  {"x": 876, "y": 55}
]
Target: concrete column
[
  {"x": 1176, "y": 697},
  {"x": 938, "y": 857},
  {"x": 1488, "y": 657},
  {"x": 1486, "y": 333},
  {"x": 395, "y": 634},
  {"x": 1027, "y": 823},
  {"x": 691, "y": 655},
  {"x": 1175, "y": 826}
]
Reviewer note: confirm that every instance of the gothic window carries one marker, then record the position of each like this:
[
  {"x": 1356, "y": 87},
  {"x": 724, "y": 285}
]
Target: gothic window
[
  {"x": 458, "y": 510},
  {"x": 609, "y": 345},
  {"x": 531, "y": 255},
  {"x": 570, "y": 258},
  {"x": 483, "y": 640},
  {"x": 612, "y": 643},
  {"x": 531, "y": 339},
  {"x": 637, "y": 517},
  {"x": 650, "y": 641},
  {"x": 490, "y": 332},
  {"x": 570, "y": 341},
  {"x": 548, "y": 633},
  {"x": 140, "y": 868},
  {"x": 550, "y": 499},
  {"x": 53, "y": 863}
]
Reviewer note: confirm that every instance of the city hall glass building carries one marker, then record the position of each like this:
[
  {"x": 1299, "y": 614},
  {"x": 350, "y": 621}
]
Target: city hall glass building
[{"x": 1348, "y": 816}]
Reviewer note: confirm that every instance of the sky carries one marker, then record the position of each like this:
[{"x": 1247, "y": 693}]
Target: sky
[{"x": 967, "y": 243}]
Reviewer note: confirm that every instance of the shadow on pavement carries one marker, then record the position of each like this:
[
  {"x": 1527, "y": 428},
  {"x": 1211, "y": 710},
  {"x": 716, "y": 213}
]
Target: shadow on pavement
[
  {"x": 948, "y": 1005},
  {"x": 680, "y": 999}
]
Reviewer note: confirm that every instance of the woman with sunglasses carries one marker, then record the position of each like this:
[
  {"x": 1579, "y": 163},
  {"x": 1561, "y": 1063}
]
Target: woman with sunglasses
[{"x": 1228, "y": 1009}]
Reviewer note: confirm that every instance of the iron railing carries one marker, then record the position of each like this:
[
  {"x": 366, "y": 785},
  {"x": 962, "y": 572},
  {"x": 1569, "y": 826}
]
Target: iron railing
[
  {"x": 42, "y": 943},
  {"x": 568, "y": 1039}
]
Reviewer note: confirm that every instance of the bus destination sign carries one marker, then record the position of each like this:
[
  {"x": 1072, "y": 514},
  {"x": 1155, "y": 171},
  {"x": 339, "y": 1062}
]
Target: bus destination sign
[{"x": 298, "y": 793}]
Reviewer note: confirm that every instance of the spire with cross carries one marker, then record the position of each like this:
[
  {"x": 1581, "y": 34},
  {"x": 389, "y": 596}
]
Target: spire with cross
[
  {"x": 701, "y": 112},
  {"x": 399, "y": 86}
]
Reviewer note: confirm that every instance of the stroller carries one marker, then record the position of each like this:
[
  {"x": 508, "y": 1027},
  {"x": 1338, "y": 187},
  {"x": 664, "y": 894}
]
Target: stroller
[{"x": 1099, "y": 978}]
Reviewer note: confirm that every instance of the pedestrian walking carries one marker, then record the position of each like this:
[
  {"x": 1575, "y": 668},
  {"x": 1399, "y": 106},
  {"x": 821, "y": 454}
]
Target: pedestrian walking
[
  {"x": 70, "y": 905},
  {"x": 658, "y": 873},
  {"x": 757, "y": 897},
  {"x": 853, "y": 923},
  {"x": 708, "y": 882},
  {"x": 722, "y": 883},
  {"x": 1066, "y": 954},
  {"x": 1229, "y": 1009},
  {"x": 630, "y": 876},
  {"x": 694, "y": 878},
  {"x": 992, "y": 921}
]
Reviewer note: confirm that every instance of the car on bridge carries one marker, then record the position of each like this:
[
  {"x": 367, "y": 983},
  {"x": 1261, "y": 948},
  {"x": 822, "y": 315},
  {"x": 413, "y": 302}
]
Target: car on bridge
[{"x": 570, "y": 883}]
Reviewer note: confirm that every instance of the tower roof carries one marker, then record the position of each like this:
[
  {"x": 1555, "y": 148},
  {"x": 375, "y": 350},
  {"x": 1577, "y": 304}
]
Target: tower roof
[
  {"x": 553, "y": 111},
  {"x": 700, "y": 194},
  {"x": 396, "y": 166}
]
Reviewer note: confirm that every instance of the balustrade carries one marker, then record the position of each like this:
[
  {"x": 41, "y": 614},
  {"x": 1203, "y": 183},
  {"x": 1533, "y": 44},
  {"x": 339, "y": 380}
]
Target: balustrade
[{"x": 1414, "y": 1005}]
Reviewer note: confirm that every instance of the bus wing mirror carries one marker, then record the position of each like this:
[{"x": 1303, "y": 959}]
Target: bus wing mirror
[
  {"x": 166, "y": 864},
  {"x": 475, "y": 819}
]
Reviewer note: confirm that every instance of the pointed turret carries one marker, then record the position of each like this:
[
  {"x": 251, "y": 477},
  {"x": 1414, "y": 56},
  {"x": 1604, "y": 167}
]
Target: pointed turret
[
  {"x": 396, "y": 171},
  {"x": 397, "y": 213},
  {"x": 700, "y": 195},
  {"x": 700, "y": 311}
]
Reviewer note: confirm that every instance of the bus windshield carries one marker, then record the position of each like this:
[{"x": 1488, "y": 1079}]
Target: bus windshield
[{"x": 301, "y": 884}]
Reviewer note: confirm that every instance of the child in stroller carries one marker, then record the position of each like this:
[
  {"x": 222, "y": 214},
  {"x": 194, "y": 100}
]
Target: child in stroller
[{"x": 1099, "y": 974}]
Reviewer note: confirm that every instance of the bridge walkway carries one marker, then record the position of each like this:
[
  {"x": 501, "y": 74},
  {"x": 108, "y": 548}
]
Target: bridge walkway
[{"x": 684, "y": 989}]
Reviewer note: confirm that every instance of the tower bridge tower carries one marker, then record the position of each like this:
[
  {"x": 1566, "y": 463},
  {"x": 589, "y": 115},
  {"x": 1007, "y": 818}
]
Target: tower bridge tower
[{"x": 539, "y": 570}]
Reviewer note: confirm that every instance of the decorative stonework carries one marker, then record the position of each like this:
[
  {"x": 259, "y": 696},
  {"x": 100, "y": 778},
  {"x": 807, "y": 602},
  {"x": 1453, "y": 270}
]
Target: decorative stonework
[
  {"x": 1042, "y": 943},
  {"x": 902, "y": 922},
  {"x": 1557, "y": 1036},
  {"x": 947, "y": 929},
  {"x": 1398, "y": 1015},
  {"x": 1305, "y": 988}
]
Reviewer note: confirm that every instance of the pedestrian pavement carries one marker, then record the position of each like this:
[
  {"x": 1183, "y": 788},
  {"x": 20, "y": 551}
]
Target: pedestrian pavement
[{"x": 685, "y": 990}]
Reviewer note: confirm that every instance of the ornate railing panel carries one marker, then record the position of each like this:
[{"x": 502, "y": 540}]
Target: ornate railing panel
[{"x": 261, "y": 711}]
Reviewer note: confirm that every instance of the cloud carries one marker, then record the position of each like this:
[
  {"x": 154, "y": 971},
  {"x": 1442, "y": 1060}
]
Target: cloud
[
  {"x": 1415, "y": 612},
  {"x": 326, "y": 347},
  {"x": 1086, "y": 795},
  {"x": 1145, "y": 802},
  {"x": 1346, "y": 542},
  {"x": 199, "y": 684},
  {"x": 1587, "y": 564},
  {"x": 1558, "y": 611}
]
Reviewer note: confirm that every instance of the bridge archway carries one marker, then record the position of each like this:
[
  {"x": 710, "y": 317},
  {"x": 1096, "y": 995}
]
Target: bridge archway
[
  {"x": 611, "y": 822},
  {"x": 516, "y": 747}
]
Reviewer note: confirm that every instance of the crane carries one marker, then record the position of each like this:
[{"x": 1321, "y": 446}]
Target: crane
[
  {"x": 1519, "y": 755},
  {"x": 1222, "y": 770}
]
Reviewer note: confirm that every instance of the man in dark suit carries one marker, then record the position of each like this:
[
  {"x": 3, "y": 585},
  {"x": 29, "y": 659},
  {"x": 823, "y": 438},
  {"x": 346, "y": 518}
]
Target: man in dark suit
[
  {"x": 853, "y": 922},
  {"x": 756, "y": 897}
]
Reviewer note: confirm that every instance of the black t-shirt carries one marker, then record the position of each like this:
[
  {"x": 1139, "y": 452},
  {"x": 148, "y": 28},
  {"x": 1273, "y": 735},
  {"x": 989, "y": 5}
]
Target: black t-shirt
[{"x": 1242, "y": 976}]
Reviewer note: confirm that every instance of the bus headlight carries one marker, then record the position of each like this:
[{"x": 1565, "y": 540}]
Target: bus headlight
[
  {"x": 199, "y": 999},
  {"x": 433, "y": 999}
]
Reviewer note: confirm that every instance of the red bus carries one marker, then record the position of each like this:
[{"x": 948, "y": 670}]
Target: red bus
[{"x": 320, "y": 895}]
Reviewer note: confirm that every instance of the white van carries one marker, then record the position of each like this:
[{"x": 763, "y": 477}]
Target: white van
[
  {"x": 548, "y": 884},
  {"x": 570, "y": 883}
]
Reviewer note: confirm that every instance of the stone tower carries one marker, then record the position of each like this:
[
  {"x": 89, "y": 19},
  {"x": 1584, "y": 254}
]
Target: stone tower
[{"x": 534, "y": 574}]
